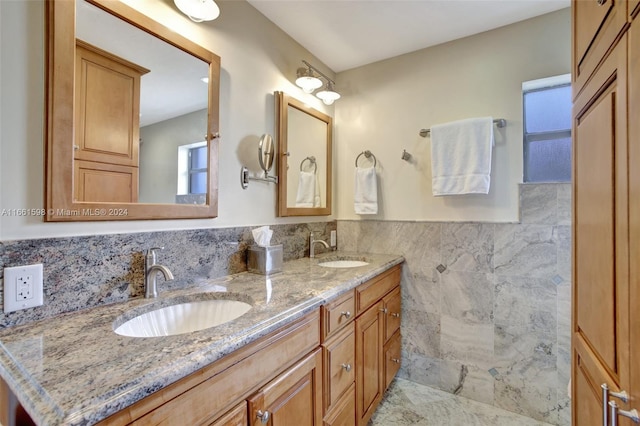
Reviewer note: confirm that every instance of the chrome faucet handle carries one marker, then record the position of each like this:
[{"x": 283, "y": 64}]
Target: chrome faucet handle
[{"x": 151, "y": 255}]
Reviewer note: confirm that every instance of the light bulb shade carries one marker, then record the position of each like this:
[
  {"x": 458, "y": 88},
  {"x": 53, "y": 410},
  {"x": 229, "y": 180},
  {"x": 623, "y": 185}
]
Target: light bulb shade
[
  {"x": 307, "y": 81},
  {"x": 198, "y": 10},
  {"x": 328, "y": 95}
]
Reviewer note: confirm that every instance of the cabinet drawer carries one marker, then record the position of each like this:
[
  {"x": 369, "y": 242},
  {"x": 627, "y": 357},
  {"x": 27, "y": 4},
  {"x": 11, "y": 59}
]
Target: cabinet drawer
[
  {"x": 236, "y": 417},
  {"x": 392, "y": 358},
  {"x": 344, "y": 413},
  {"x": 393, "y": 307},
  {"x": 373, "y": 290},
  {"x": 339, "y": 365},
  {"x": 338, "y": 313}
]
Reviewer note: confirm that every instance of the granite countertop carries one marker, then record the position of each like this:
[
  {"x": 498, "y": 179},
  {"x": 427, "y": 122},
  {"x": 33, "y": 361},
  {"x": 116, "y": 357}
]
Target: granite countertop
[{"x": 74, "y": 370}]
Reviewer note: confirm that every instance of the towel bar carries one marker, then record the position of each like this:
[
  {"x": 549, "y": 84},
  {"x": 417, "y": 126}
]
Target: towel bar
[
  {"x": 312, "y": 160},
  {"x": 500, "y": 122},
  {"x": 367, "y": 154}
]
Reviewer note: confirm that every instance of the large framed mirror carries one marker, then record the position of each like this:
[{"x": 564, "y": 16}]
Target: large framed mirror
[
  {"x": 132, "y": 116},
  {"x": 304, "y": 164}
]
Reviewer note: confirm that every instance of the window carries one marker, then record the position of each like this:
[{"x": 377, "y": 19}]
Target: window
[
  {"x": 198, "y": 170},
  {"x": 192, "y": 168},
  {"x": 547, "y": 129}
]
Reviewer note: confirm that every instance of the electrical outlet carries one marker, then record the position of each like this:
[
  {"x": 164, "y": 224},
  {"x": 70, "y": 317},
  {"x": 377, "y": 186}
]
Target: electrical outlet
[
  {"x": 333, "y": 238},
  {"x": 23, "y": 287}
]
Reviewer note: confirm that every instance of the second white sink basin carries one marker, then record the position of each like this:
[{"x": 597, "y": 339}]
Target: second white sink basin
[
  {"x": 183, "y": 318},
  {"x": 343, "y": 263}
]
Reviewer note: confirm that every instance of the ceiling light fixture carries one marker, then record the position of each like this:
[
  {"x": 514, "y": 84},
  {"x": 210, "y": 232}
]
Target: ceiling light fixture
[
  {"x": 309, "y": 82},
  {"x": 198, "y": 10}
]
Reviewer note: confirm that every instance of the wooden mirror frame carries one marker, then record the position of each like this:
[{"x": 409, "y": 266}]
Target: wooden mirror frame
[
  {"x": 283, "y": 102},
  {"x": 59, "y": 120}
]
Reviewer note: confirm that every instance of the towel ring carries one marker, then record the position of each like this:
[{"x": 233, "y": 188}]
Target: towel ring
[
  {"x": 367, "y": 154},
  {"x": 312, "y": 160}
]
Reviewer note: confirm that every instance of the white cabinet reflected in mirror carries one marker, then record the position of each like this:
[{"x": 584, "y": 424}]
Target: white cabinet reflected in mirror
[{"x": 304, "y": 166}]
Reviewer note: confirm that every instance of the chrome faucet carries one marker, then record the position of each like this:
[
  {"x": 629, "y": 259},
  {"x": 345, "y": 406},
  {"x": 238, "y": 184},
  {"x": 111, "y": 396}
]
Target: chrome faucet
[
  {"x": 151, "y": 269},
  {"x": 312, "y": 243}
]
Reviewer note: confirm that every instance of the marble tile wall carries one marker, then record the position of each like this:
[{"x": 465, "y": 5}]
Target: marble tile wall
[
  {"x": 486, "y": 307},
  {"x": 81, "y": 272}
]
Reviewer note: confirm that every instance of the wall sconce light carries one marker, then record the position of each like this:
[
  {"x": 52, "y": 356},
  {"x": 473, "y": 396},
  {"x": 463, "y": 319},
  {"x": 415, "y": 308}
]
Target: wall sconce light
[
  {"x": 309, "y": 82},
  {"x": 199, "y": 10}
]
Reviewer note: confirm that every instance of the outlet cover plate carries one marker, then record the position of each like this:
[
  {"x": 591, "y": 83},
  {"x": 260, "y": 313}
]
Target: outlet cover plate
[{"x": 15, "y": 278}]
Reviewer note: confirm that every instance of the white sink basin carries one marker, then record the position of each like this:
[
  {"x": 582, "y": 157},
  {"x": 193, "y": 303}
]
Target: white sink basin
[
  {"x": 343, "y": 263},
  {"x": 183, "y": 318}
]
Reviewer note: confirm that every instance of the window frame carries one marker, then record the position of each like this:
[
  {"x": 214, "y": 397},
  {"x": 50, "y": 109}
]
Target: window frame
[{"x": 533, "y": 86}]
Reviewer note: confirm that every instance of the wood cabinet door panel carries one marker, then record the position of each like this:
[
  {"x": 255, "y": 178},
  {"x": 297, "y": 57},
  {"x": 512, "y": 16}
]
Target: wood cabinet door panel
[
  {"x": 293, "y": 398},
  {"x": 600, "y": 328},
  {"x": 634, "y": 205},
  {"x": 105, "y": 182},
  {"x": 596, "y": 26},
  {"x": 369, "y": 367}
]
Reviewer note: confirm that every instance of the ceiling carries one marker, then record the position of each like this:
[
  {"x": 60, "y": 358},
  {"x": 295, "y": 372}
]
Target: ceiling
[{"x": 345, "y": 34}]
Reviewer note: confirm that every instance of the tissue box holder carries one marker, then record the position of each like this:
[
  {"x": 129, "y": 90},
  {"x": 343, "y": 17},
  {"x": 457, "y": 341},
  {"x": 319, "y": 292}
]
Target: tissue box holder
[{"x": 264, "y": 260}]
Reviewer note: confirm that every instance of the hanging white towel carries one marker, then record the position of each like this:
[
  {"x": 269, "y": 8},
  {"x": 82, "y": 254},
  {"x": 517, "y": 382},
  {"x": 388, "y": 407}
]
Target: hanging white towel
[
  {"x": 308, "y": 194},
  {"x": 366, "y": 191},
  {"x": 461, "y": 156}
]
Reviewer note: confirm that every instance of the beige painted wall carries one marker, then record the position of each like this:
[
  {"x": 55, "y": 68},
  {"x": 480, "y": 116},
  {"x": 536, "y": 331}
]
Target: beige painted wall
[
  {"x": 385, "y": 104},
  {"x": 257, "y": 59}
]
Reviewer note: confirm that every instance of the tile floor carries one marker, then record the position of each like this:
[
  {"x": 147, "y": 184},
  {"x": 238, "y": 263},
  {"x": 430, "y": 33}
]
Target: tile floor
[{"x": 408, "y": 403}]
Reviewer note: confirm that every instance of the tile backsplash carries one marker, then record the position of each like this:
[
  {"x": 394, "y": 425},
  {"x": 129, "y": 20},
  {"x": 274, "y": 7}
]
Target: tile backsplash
[
  {"x": 486, "y": 306},
  {"x": 82, "y": 272}
]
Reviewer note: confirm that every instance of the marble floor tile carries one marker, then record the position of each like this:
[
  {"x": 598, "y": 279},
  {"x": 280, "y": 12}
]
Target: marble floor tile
[{"x": 408, "y": 403}]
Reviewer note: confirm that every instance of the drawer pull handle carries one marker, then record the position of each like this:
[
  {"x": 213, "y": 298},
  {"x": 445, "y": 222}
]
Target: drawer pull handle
[
  {"x": 345, "y": 314},
  {"x": 347, "y": 367},
  {"x": 632, "y": 414},
  {"x": 264, "y": 417},
  {"x": 395, "y": 314},
  {"x": 396, "y": 360}
]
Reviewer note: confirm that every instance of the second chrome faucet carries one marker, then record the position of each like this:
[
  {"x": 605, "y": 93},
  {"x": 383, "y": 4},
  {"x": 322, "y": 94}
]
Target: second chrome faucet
[
  {"x": 312, "y": 245},
  {"x": 151, "y": 269}
]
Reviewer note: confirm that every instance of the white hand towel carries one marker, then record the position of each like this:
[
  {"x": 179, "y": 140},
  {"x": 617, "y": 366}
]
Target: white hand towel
[
  {"x": 366, "y": 191},
  {"x": 461, "y": 156},
  {"x": 308, "y": 190}
]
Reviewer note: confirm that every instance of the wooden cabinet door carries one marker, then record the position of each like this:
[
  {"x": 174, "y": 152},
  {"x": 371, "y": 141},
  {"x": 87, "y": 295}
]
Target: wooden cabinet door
[
  {"x": 369, "y": 363},
  {"x": 596, "y": 26},
  {"x": 634, "y": 208},
  {"x": 600, "y": 239},
  {"x": 392, "y": 358},
  {"x": 293, "y": 398}
]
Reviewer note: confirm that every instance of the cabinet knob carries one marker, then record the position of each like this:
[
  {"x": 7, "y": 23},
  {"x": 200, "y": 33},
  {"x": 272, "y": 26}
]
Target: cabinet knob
[
  {"x": 264, "y": 417},
  {"x": 215, "y": 135},
  {"x": 396, "y": 360},
  {"x": 395, "y": 314},
  {"x": 76, "y": 147},
  {"x": 601, "y": 2},
  {"x": 384, "y": 310},
  {"x": 347, "y": 367},
  {"x": 345, "y": 314}
]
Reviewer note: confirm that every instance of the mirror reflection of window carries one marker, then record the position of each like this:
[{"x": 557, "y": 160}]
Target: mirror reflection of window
[{"x": 198, "y": 170}]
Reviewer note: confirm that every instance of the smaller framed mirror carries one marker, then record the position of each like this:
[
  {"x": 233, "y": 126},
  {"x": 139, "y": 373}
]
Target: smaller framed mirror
[{"x": 304, "y": 136}]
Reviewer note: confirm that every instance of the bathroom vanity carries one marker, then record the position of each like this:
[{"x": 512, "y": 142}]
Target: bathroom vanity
[{"x": 319, "y": 346}]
